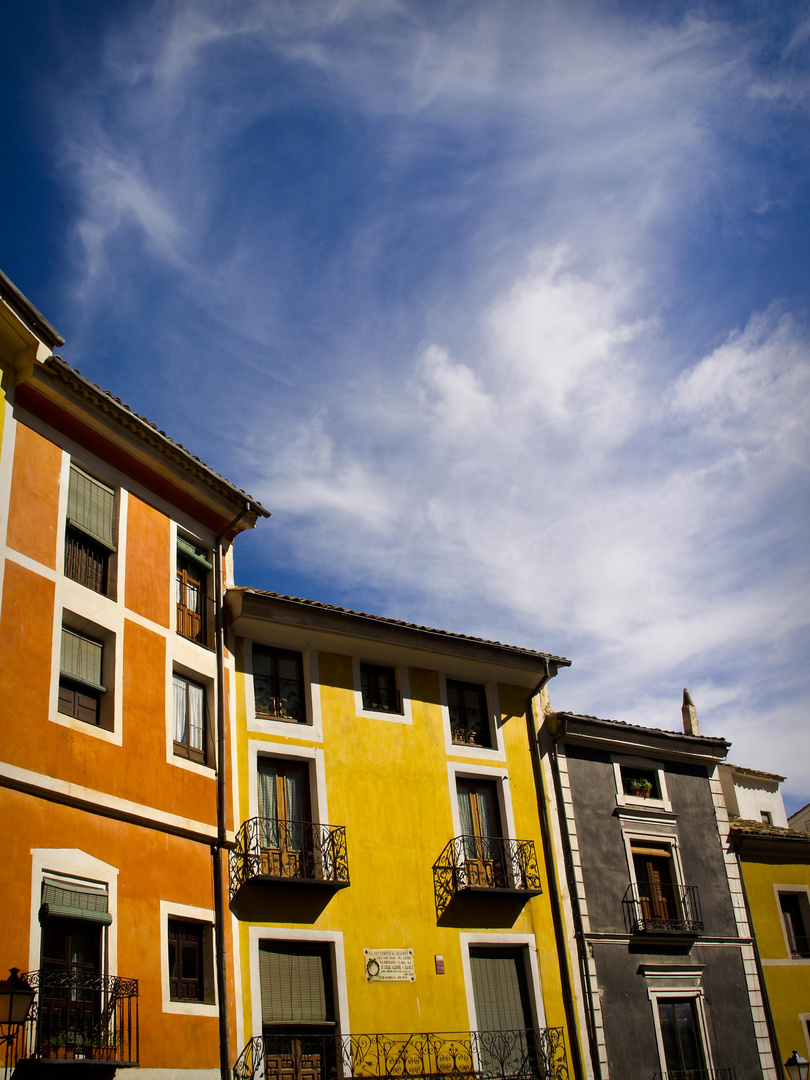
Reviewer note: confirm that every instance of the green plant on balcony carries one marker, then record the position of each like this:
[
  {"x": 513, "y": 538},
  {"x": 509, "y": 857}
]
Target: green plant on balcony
[{"x": 641, "y": 788}]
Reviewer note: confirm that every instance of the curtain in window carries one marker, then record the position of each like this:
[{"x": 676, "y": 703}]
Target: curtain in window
[
  {"x": 180, "y": 712},
  {"x": 81, "y": 659},
  {"x": 196, "y": 717},
  {"x": 294, "y": 790},
  {"x": 268, "y": 805}
]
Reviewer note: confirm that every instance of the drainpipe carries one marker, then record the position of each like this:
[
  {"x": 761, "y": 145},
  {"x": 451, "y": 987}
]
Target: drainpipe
[
  {"x": 554, "y": 896},
  {"x": 221, "y": 844},
  {"x": 582, "y": 949}
]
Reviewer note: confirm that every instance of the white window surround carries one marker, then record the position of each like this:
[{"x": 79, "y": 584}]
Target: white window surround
[
  {"x": 185, "y": 913},
  {"x": 805, "y": 1022},
  {"x": 483, "y": 753},
  {"x": 457, "y": 771},
  {"x": 78, "y": 866},
  {"x": 799, "y": 890},
  {"x": 533, "y": 975},
  {"x": 334, "y": 938},
  {"x": 312, "y": 730},
  {"x": 637, "y": 836},
  {"x": 208, "y": 684},
  {"x": 312, "y": 755},
  {"x": 657, "y": 767},
  {"x": 401, "y": 676},
  {"x": 684, "y": 983},
  {"x": 80, "y": 618}
]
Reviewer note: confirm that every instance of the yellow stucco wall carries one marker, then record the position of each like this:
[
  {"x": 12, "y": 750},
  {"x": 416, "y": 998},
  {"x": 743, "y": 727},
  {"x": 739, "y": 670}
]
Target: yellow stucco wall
[
  {"x": 389, "y": 784},
  {"x": 787, "y": 980}
]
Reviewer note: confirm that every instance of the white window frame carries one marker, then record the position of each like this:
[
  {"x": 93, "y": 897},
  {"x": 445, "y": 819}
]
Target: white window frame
[
  {"x": 678, "y": 989},
  {"x": 637, "y": 836},
  {"x": 634, "y": 801},
  {"x": 312, "y": 729},
  {"x": 528, "y": 943},
  {"x": 185, "y": 913},
  {"x": 207, "y": 682},
  {"x": 457, "y": 771},
  {"x": 401, "y": 677},
  {"x": 80, "y": 618},
  {"x": 311, "y": 755},
  {"x": 800, "y": 890},
  {"x": 333, "y": 938},
  {"x": 482, "y": 753},
  {"x": 76, "y": 866}
]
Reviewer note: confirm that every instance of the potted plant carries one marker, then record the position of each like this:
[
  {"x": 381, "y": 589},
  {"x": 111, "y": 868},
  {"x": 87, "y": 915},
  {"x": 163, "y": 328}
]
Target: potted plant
[{"x": 641, "y": 787}]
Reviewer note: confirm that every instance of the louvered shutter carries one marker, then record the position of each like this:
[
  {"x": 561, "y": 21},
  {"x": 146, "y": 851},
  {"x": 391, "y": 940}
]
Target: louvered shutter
[
  {"x": 500, "y": 1004},
  {"x": 61, "y": 899},
  {"x": 293, "y": 986},
  {"x": 90, "y": 507},
  {"x": 81, "y": 659}
]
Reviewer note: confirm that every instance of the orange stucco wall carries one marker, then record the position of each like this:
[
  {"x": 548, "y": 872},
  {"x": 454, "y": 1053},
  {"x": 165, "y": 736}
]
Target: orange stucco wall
[
  {"x": 152, "y": 867},
  {"x": 33, "y": 512},
  {"x": 26, "y": 631},
  {"x": 148, "y": 584}
]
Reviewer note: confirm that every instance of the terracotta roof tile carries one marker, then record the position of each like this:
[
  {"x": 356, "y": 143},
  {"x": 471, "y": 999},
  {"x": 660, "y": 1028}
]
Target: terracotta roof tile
[{"x": 759, "y": 828}]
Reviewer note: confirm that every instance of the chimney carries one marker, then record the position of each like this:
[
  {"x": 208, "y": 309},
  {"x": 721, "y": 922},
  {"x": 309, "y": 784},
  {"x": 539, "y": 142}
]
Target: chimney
[{"x": 689, "y": 713}]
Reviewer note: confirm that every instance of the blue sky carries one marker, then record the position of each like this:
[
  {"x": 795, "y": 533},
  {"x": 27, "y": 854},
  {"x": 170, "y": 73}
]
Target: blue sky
[{"x": 502, "y": 309}]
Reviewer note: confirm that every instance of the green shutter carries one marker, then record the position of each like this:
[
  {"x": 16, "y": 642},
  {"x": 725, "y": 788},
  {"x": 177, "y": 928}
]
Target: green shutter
[
  {"x": 192, "y": 553},
  {"x": 61, "y": 899},
  {"x": 81, "y": 659},
  {"x": 498, "y": 991},
  {"x": 90, "y": 507},
  {"x": 292, "y": 986}
]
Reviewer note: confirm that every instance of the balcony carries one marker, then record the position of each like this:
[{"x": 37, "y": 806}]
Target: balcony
[
  {"x": 798, "y": 944},
  {"x": 662, "y": 909},
  {"x": 289, "y": 852},
  {"x": 533, "y": 1054},
  {"x": 196, "y": 618},
  {"x": 487, "y": 865},
  {"x": 697, "y": 1074},
  {"x": 80, "y": 1018}
]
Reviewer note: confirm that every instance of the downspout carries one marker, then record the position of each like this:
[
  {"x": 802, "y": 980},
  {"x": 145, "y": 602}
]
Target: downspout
[
  {"x": 221, "y": 844},
  {"x": 582, "y": 949},
  {"x": 554, "y": 895}
]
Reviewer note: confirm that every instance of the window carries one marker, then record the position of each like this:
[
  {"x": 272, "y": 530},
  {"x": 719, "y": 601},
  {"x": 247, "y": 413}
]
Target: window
[
  {"x": 190, "y": 728},
  {"x": 485, "y": 862},
  {"x": 469, "y": 717},
  {"x": 284, "y": 811},
  {"x": 296, "y": 990},
  {"x": 502, "y": 1004},
  {"x": 80, "y": 685},
  {"x": 681, "y": 1036},
  {"x": 766, "y": 817},
  {"x": 90, "y": 532},
  {"x": 190, "y": 961},
  {"x": 796, "y": 919},
  {"x": 657, "y": 890},
  {"x": 379, "y": 689},
  {"x": 278, "y": 684},
  {"x": 195, "y": 609},
  {"x": 640, "y": 783}
]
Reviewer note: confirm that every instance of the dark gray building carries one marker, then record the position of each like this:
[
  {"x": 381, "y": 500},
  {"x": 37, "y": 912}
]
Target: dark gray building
[{"x": 667, "y": 972}]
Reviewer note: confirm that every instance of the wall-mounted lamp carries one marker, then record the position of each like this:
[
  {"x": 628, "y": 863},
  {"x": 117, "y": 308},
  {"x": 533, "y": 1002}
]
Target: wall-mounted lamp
[{"x": 797, "y": 1067}]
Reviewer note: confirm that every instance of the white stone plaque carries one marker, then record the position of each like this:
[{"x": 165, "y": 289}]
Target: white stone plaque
[{"x": 389, "y": 965}]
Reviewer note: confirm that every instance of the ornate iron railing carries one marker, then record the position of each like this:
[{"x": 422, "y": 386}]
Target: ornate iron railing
[
  {"x": 278, "y": 698},
  {"x": 484, "y": 862},
  {"x": 301, "y": 851},
  {"x": 655, "y": 908},
  {"x": 532, "y": 1054},
  {"x": 799, "y": 945},
  {"x": 196, "y": 618},
  {"x": 382, "y": 699},
  {"x": 77, "y": 1016},
  {"x": 697, "y": 1074}
]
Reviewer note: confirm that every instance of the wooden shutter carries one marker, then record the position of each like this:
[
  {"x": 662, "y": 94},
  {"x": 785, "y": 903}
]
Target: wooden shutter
[
  {"x": 90, "y": 507},
  {"x": 81, "y": 659},
  {"x": 293, "y": 984}
]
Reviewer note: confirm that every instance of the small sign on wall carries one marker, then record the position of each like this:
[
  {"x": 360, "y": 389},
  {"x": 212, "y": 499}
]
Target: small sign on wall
[{"x": 389, "y": 965}]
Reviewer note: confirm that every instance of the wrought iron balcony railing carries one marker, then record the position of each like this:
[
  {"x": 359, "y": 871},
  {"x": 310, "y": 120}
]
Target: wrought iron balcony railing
[
  {"x": 655, "y": 908},
  {"x": 532, "y": 1054},
  {"x": 486, "y": 863},
  {"x": 382, "y": 699},
  {"x": 272, "y": 849},
  {"x": 278, "y": 698},
  {"x": 799, "y": 945},
  {"x": 80, "y": 1017},
  {"x": 697, "y": 1074},
  {"x": 196, "y": 618}
]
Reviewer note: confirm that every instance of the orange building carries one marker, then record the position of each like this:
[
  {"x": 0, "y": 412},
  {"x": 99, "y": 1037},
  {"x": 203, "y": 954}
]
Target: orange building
[{"x": 114, "y": 744}]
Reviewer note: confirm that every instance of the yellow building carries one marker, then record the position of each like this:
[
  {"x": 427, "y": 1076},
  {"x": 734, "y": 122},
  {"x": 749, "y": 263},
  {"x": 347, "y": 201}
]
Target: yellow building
[
  {"x": 392, "y": 902},
  {"x": 775, "y": 864},
  {"x": 114, "y": 547}
]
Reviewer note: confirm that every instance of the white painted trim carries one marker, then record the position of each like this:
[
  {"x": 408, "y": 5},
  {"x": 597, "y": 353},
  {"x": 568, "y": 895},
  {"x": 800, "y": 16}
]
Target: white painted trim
[
  {"x": 77, "y": 864},
  {"x": 475, "y": 753},
  {"x": 102, "y": 799},
  {"x": 524, "y": 941},
  {"x": 403, "y": 686},
  {"x": 208, "y": 683},
  {"x": 804, "y": 1018},
  {"x": 631, "y": 836},
  {"x": 317, "y": 774},
  {"x": 799, "y": 890},
  {"x": 256, "y": 934},
  {"x": 678, "y": 987},
  {"x": 171, "y": 910},
  {"x": 312, "y": 730},
  {"x": 459, "y": 771},
  {"x": 657, "y": 767}
]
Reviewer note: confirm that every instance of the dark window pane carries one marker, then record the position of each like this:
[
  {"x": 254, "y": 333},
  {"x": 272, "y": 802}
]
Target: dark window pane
[{"x": 469, "y": 720}]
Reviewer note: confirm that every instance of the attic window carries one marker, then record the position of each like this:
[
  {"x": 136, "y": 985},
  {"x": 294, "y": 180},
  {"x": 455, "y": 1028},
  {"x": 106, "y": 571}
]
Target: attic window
[{"x": 640, "y": 783}]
